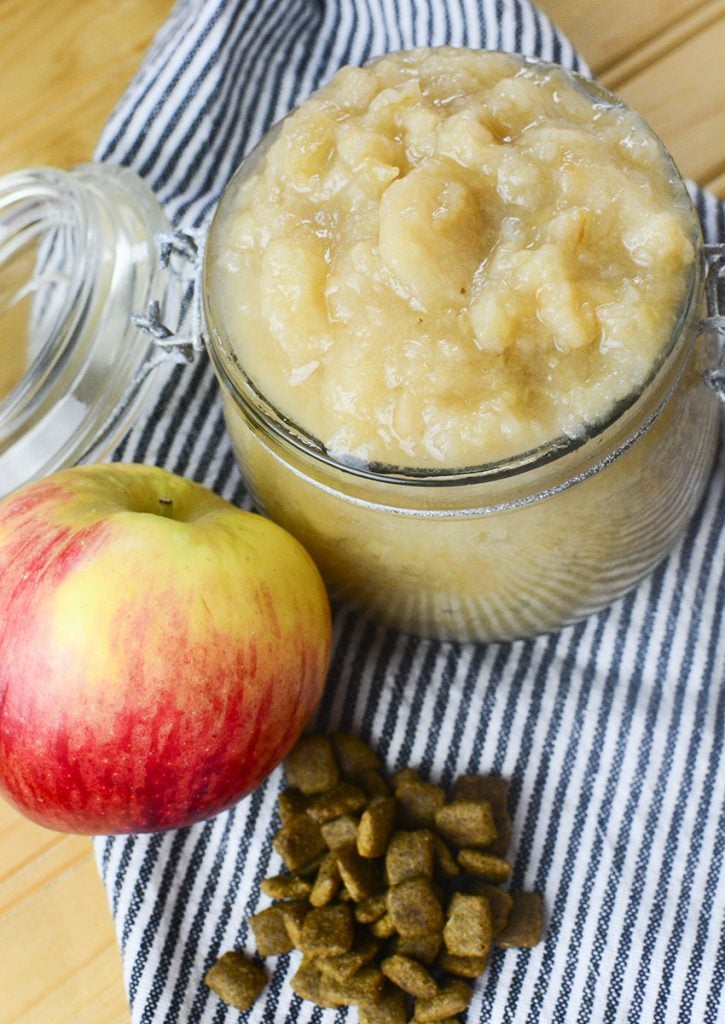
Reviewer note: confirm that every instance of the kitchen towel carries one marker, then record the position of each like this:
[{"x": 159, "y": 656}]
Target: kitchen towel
[{"x": 610, "y": 731}]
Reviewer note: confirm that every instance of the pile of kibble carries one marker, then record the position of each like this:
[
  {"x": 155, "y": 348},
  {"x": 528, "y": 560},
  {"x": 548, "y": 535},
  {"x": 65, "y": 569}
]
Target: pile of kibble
[{"x": 393, "y": 892}]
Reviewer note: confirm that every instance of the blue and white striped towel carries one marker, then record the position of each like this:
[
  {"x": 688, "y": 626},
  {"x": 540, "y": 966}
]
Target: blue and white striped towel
[{"x": 611, "y": 731}]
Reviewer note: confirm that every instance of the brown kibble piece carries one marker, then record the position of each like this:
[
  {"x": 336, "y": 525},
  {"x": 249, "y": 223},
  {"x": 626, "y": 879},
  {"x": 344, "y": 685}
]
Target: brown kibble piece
[
  {"x": 391, "y": 1009},
  {"x": 419, "y": 802},
  {"x": 383, "y": 928},
  {"x": 409, "y": 854},
  {"x": 362, "y": 877},
  {"x": 483, "y": 787},
  {"x": 443, "y": 861},
  {"x": 365, "y": 949},
  {"x": 496, "y": 791},
  {"x": 452, "y": 999},
  {"x": 299, "y": 842},
  {"x": 404, "y": 775},
  {"x": 311, "y": 766},
  {"x": 424, "y": 948},
  {"x": 339, "y": 832},
  {"x": 414, "y": 907},
  {"x": 484, "y": 865},
  {"x": 354, "y": 756},
  {"x": 307, "y": 983},
  {"x": 469, "y": 929},
  {"x": 270, "y": 932},
  {"x": 409, "y": 975},
  {"x": 286, "y": 887},
  {"x": 370, "y": 909},
  {"x": 290, "y": 803},
  {"x": 373, "y": 783},
  {"x": 463, "y": 966},
  {"x": 466, "y": 823},
  {"x": 327, "y": 883},
  {"x": 364, "y": 988},
  {"x": 236, "y": 979},
  {"x": 526, "y": 922},
  {"x": 499, "y": 901},
  {"x": 376, "y": 823},
  {"x": 341, "y": 799},
  {"x": 293, "y": 914},
  {"x": 327, "y": 931}
]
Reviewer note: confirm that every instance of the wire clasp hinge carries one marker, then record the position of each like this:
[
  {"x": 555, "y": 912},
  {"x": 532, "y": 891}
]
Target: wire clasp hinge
[
  {"x": 714, "y": 323},
  {"x": 180, "y": 254}
]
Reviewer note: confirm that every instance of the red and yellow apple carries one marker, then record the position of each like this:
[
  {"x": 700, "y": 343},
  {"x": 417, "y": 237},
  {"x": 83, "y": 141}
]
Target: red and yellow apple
[{"x": 160, "y": 649}]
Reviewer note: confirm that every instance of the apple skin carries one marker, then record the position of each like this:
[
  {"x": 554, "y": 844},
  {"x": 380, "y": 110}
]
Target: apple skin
[{"x": 160, "y": 649}]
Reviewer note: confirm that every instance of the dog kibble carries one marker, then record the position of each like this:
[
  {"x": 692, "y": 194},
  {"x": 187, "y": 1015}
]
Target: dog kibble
[
  {"x": 484, "y": 865},
  {"x": 394, "y": 900},
  {"x": 414, "y": 907},
  {"x": 409, "y": 854},
  {"x": 364, "y": 988},
  {"x": 362, "y": 877},
  {"x": 353, "y": 756},
  {"x": 286, "y": 887},
  {"x": 391, "y": 1009},
  {"x": 424, "y": 948},
  {"x": 376, "y": 824},
  {"x": 270, "y": 932},
  {"x": 409, "y": 975},
  {"x": 293, "y": 914},
  {"x": 299, "y": 842},
  {"x": 444, "y": 862},
  {"x": 383, "y": 928},
  {"x": 496, "y": 792},
  {"x": 499, "y": 901},
  {"x": 462, "y": 966},
  {"x": 453, "y": 998},
  {"x": 525, "y": 924},
  {"x": 339, "y": 968},
  {"x": 469, "y": 928},
  {"x": 466, "y": 823},
  {"x": 236, "y": 979},
  {"x": 419, "y": 802},
  {"x": 307, "y": 983},
  {"x": 342, "y": 799},
  {"x": 291, "y": 802},
  {"x": 311, "y": 766},
  {"x": 327, "y": 883},
  {"x": 339, "y": 832},
  {"x": 371, "y": 909}
]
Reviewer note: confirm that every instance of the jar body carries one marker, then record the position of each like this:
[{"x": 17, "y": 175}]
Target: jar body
[{"x": 545, "y": 552}]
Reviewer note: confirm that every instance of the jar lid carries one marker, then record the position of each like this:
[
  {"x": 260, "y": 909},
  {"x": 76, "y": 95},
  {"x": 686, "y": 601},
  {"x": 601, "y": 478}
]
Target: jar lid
[{"x": 86, "y": 284}]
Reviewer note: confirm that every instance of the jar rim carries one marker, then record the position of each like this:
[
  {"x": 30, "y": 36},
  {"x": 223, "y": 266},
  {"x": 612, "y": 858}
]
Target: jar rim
[{"x": 267, "y": 416}]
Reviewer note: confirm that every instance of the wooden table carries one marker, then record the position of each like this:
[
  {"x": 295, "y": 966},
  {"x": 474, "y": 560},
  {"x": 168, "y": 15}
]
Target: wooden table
[{"x": 63, "y": 65}]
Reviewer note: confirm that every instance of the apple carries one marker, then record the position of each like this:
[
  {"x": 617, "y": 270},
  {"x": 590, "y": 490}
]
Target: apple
[{"x": 160, "y": 649}]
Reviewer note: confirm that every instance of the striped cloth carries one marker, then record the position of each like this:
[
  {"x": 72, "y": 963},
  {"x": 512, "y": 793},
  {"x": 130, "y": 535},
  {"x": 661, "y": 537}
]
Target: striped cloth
[{"x": 611, "y": 731}]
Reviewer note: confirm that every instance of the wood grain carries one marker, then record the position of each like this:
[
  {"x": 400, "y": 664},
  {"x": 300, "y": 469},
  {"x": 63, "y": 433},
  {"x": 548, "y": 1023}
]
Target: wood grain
[{"x": 63, "y": 66}]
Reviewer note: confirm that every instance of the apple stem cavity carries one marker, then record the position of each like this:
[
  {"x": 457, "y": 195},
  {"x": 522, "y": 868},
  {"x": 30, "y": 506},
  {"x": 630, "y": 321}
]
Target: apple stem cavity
[{"x": 166, "y": 506}]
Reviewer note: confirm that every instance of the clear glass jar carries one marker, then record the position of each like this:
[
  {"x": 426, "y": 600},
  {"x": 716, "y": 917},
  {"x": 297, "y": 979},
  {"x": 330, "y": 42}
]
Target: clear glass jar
[
  {"x": 499, "y": 551},
  {"x": 79, "y": 253},
  {"x": 92, "y": 280}
]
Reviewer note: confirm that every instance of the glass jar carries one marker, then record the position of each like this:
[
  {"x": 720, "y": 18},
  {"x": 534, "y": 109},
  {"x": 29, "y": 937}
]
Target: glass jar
[
  {"x": 497, "y": 551},
  {"x": 93, "y": 279},
  {"x": 80, "y": 252}
]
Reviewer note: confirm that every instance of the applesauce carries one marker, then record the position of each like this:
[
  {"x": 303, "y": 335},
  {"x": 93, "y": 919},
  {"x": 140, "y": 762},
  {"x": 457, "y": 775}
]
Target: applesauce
[{"x": 453, "y": 304}]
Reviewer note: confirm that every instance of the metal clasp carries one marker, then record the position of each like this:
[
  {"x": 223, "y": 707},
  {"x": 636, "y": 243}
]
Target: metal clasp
[
  {"x": 181, "y": 256},
  {"x": 714, "y": 323}
]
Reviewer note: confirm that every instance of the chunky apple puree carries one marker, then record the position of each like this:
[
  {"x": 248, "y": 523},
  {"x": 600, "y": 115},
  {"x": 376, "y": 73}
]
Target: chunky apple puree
[{"x": 449, "y": 257}]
